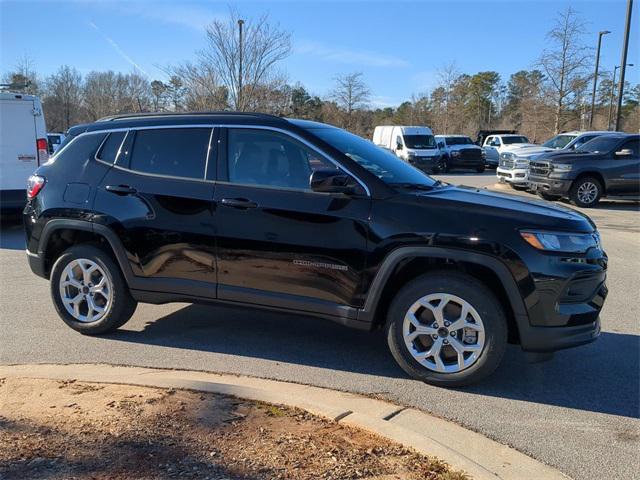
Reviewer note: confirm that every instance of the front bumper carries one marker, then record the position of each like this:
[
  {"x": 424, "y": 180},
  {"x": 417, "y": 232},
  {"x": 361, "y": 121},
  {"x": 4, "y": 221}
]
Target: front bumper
[
  {"x": 550, "y": 339},
  {"x": 515, "y": 175},
  {"x": 552, "y": 186},
  {"x": 425, "y": 163}
]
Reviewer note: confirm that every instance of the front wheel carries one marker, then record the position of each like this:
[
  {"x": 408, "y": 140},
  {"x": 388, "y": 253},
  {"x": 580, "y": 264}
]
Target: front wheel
[
  {"x": 586, "y": 192},
  {"x": 446, "y": 329},
  {"x": 89, "y": 291},
  {"x": 480, "y": 169}
]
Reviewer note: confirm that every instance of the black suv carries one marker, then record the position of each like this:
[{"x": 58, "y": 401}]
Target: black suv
[
  {"x": 302, "y": 217},
  {"x": 606, "y": 165}
]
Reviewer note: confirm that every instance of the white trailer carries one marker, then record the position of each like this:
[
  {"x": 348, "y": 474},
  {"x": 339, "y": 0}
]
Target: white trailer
[{"x": 23, "y": 146}]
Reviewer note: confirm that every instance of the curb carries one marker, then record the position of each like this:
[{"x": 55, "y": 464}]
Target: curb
[{"x": 462, "y": 449}]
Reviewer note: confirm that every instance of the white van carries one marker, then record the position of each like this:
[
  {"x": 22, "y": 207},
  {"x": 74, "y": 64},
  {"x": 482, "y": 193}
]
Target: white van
[
  {"x": 23, "y": 146},
  {"x": 415, "y": 145}
]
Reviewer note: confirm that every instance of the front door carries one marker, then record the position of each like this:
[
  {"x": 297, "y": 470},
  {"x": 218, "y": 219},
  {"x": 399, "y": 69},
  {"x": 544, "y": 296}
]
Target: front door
[
  {"x": 159, "y": 201},
  {"x": 279, "y": 243}
]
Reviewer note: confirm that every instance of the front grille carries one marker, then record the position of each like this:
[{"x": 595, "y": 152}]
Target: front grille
[
  {"x": 470, "y": 154},
  {"x": 540, "y": 169}
]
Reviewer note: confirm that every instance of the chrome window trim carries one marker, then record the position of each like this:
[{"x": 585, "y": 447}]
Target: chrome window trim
[
  {"x": 98, "y": 159},
  {"x": 206, "y": 163},
  {"x": 213, "y": 126}
]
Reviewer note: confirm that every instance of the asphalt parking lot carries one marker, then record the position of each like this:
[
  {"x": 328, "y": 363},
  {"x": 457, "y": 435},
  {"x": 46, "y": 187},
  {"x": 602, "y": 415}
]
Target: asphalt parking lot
[{"x": 579, "y": 412}]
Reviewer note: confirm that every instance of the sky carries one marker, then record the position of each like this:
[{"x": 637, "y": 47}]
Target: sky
[{"x": 398, "y": 46}]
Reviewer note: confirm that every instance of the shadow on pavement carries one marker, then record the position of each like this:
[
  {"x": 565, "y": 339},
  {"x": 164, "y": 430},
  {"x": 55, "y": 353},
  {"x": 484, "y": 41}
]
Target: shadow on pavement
[
  {"x": 11, "y": 234},
  {"x": 600, "y": 377}
]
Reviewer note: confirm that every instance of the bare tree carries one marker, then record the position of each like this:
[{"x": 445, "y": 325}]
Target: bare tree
[
  {"x": 23, "y": 77},
  {"x": 565, "y": 62},
  {"x": 350, "y": 93},
  {"x": 447, "y": 77},
  {"x": 202, "y": 89},
  {"x": 263, "y": 46},
  {"x": 63, "y": 98}
]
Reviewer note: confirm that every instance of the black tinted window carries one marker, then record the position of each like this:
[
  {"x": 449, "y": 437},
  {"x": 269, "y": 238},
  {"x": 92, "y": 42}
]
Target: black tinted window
[
  {"x": 111, "y": 147},
  {"x": 260, "y": 157},
  {"x": 633, "y": 145},
  {"x": 179, "y": 152},
  {"x": 81, "y": 149}
]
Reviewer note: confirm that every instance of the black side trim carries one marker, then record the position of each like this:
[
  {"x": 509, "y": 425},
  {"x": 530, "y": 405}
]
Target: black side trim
[
  {"x": 159, "y": 298},
  {"x": 392, "y": 259}
]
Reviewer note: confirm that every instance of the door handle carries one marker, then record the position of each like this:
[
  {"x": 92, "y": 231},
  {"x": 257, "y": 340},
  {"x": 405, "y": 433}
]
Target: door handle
[
  {"x": 241, "y": 203},
  {"x": 121, "y": 189}
]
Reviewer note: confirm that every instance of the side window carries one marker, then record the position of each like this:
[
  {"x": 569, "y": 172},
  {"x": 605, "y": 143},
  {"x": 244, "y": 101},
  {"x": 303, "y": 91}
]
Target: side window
[
  {"x": 633, "y": 145},
  {"x": 489, "y": 141},
  {"x": 178, "y": 152},
  {"x": 261, "y": 157},
  {"x": 111, "y": 147}
]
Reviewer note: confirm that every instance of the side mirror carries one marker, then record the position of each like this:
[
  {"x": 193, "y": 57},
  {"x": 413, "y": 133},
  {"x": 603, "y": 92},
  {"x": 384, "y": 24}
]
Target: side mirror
[
  {"x": 398, "y": 145},
  {"x": 625, "y": 152},
  {"x": 440, "y": 144},
  {"x": 331, "y": 181}
]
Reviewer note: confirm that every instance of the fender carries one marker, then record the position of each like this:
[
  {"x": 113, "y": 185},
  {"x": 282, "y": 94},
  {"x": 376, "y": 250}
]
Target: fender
[
  {"x": 366, "y": 314},
  {"x": 73, "y": 224}
]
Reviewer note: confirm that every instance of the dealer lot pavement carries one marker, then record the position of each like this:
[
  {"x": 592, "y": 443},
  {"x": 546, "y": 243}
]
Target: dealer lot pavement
[{"x": 578, "y": 412}]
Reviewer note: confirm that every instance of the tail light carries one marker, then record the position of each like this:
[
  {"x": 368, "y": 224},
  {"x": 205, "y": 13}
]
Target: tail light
[
  {"x": 43, "y": 150},
  {"x": 34, "y": 185}
]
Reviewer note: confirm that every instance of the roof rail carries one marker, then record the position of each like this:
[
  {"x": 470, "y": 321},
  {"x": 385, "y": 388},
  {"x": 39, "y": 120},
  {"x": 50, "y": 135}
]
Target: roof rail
[{"x": 179, "y": 114}]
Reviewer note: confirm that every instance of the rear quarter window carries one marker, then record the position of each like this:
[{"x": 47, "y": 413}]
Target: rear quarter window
[
  {"x": 111, "y": 147},
  {"x": 80, "y": 150}
]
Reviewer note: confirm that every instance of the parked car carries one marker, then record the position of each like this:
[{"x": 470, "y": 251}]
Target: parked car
[
  {"x": 297, "y": 216},
  {"x": 23, "y": 146},
  {"x": 608, "y": 165},
  {"x": 514, "y": 164},
  {"x": 494, "y": 145},
  {"x": 458, "y": 151},
  {"x": 55, "y": 140},
  {"x": 414, "y": 145}
]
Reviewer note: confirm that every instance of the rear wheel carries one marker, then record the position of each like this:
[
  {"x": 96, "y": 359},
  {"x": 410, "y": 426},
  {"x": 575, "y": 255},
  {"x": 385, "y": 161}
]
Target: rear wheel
[
  {"x": 446, "y": 329},
  {"x": 89, "y": 291},
  {"x": 586, "y": 192}
]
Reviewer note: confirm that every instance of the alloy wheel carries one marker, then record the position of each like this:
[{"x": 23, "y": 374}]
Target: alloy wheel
[
  {"x": 85, "y": 290},
  {"x": 587, "y": 192},
  {"x": 444, "y": 333}
]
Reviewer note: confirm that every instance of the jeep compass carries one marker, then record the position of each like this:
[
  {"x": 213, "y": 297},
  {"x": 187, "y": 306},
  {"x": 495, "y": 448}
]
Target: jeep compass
[{"x": 305, "y": 218}]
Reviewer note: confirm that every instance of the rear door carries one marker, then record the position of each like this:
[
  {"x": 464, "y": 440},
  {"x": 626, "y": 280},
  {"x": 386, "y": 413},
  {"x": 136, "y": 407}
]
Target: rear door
[
  {"x": 626, "y": 169},
  {"x": 158, "y": 198},
  {"x": 18, "y": 148}
]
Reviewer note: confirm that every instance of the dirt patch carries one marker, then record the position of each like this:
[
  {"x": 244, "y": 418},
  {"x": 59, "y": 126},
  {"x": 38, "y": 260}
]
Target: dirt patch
[{"x": 75, "y": 430}]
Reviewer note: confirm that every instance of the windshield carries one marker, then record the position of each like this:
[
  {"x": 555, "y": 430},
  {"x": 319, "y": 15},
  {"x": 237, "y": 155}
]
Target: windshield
[
  {"x": 603, "y": 144},
  {"x": 458, "y": 141},
  {"x": 518, "y": 139},
  {"x": 559, "y": 141},
  {"x": 380, "y": 162},
  {"x": 419, "y": 141}
]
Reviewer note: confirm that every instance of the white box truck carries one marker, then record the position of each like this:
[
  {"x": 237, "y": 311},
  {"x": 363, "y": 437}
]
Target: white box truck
[
  {"x": 23, "y": 146},
  {"x": 415, "y": 145}
]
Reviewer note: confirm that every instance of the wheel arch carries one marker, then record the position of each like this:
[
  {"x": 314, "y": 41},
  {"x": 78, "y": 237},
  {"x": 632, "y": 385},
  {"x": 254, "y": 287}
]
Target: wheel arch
[
  {"x": 590, "y": 173},
  {"x": 406, "y": 263},
  {"x": 59, "y": 234}
]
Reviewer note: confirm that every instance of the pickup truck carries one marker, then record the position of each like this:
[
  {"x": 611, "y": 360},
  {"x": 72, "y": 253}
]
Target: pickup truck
[
  {"x": 459, "y": 151},
  {"x": 514, "y": 164},
  {"x": 608, "y": 165}
]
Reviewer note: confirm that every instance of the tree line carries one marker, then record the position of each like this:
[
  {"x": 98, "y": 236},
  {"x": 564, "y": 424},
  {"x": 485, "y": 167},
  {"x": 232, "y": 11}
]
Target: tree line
[{"x": 554, "y": 95}]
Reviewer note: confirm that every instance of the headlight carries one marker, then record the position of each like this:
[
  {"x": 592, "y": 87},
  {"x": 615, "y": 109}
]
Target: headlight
[
  {"x": 561, "y": 241},
  {"x": 507, "y": 155},
  {"x": 483, "y": 154},
  {"x": 522, "y": 163},
  {"x": 455, "y": 154},
  {"x": 562, "y": 167}
]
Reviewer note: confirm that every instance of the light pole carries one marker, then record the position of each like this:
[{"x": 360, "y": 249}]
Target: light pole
[
  {"x": 623, "y": 61},
  {"x": 239, "y": 94},
  {"x": 595, "y": 75},
  {"x": 613, "y": 86}
]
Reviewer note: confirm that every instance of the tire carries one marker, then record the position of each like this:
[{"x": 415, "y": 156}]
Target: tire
[
  {"x": 547, "y": 196},
  {"x": 480, "y": 169},
  {"x": 484, "y": 305},
  {"x": 578, "y": 192},
  {"x": 445, "y": 166},
  {"x": 117, "y": 303}
]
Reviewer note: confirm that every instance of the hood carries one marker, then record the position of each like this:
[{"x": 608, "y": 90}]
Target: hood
[
  {"x": 469, "y": 146},
  {"x": 569, "y": 156},
  {"x": 517, "y": 146},
  {"x": 529, "y": 152},
  {"x": 521, "y": 212}
]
